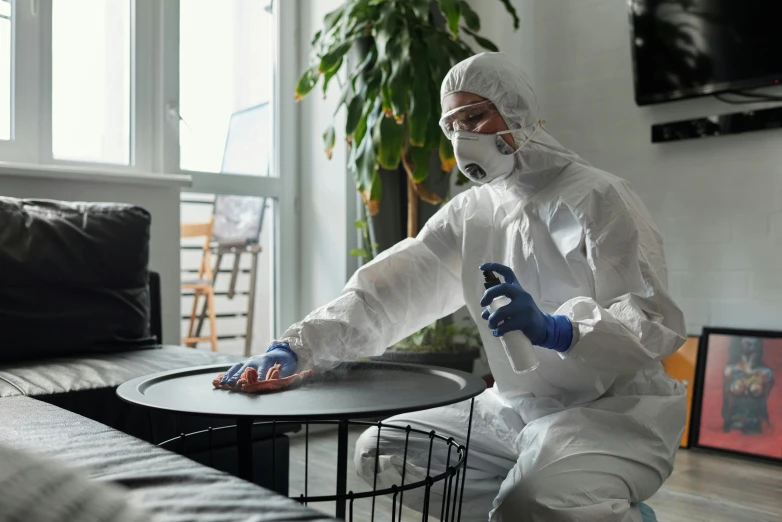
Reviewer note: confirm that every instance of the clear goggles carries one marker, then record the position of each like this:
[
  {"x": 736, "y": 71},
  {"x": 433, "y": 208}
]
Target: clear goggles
[{"x": 468, "y": 118}]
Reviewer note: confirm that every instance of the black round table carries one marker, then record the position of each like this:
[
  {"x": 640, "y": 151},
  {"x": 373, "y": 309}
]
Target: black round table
[{"x": 353, "y": 390}]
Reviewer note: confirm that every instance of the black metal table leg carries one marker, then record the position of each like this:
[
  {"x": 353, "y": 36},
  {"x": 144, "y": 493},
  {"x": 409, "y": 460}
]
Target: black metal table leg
[
  {"x": 244, "y": 448},
  {"x": 342, "y": 468}
]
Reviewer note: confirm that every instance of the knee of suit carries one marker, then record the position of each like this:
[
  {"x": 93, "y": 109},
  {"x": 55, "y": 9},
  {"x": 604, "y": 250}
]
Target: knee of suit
[
  {"x": 562, "y": 495},
  {"x": 529, "y": 495},
  {"x": 366, "y": 446}
]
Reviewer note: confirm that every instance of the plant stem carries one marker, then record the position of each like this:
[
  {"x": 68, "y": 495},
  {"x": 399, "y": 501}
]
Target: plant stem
[
  {"x": 369, "y": 236},
  {"x": 412, "y": 209},
  {"x": 368, "y": 245}
]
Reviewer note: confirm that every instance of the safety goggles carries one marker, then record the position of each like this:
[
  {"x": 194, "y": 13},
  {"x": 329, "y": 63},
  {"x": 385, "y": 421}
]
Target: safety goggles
[{"x": 468, "y": 118}]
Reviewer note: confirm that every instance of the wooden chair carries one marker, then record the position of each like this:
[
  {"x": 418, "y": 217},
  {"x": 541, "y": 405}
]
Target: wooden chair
[{"x": 203, "y": 285}]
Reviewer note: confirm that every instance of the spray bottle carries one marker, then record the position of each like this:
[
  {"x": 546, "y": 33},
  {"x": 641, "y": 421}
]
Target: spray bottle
[{"x": 517, "y": 347}]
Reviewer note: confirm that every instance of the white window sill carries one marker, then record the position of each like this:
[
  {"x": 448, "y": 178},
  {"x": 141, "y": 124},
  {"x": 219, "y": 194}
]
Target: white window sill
[{"x": 102, "y": 175}]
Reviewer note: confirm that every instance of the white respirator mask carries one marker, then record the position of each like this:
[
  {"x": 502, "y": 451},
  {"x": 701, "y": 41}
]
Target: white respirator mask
[{"x": 481, "y": 156}]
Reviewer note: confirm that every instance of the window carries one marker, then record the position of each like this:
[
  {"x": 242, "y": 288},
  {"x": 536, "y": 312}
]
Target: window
[
  {"x": 6, "y": 68},
  {"x": 91, "y": 80},
  {"x": 162, "y": 86},
  {"x": 226, "y": 52},
  {"x": 225, "y": 98}
]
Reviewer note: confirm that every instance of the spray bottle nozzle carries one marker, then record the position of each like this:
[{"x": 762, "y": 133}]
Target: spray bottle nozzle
[{"x": 490, "y": 279}]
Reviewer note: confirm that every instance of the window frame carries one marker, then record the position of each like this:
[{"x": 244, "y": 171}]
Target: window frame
[
  {"x": 139, "y": 158},
  {"x": 23, "y": 147},
  {"x": 283, "y": 188},
  {"x": 154, "y": 120}
]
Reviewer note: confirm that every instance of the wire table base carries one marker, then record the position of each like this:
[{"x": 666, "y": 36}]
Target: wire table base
[{"x": 451, "y": 480}]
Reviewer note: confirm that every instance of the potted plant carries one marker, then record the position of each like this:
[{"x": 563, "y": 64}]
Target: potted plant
[
  {"x": 442, "y": 343},
  {"x": 395, "y": 55}
]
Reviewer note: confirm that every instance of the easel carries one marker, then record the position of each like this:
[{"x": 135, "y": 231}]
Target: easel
[{"x": 238, "y": 224}]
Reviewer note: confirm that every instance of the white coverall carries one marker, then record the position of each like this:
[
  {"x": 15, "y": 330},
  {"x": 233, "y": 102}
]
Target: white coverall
[{"x": 593, "y": 430}]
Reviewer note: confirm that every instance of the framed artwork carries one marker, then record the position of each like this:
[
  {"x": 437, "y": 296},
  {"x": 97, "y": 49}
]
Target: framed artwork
[
  {"x": 738, "y": 403},
  {"x": 681, "y": 366}
]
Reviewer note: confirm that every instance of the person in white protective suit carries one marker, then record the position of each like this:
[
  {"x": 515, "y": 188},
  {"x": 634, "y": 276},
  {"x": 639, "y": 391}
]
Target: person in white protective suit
[{"x": 594, "y": 429}]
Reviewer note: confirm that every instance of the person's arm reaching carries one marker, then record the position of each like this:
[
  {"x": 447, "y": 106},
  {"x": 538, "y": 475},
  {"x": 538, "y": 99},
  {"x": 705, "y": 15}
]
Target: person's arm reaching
[
  {"x": 404, "y": 289},
  {"x": 632, "y": 321}
]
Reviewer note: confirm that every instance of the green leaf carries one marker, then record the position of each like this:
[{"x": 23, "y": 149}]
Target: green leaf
[
  {"x": 385, "y": 31},
  {"x": 343, "y": 98},
  {"x": 307, "y": 82},
  {"x": 358, "y": 252},
  {"x": 420, "y": 99},
  {"x": 439, "y": 62},
  {"x": 355, "y": 109},
  {"x": 399, "y": 90},
  {"x": 361, "y": 130},
  {"x": 329, "y": 138},
  {"x": 386, "y": 99},
  {"x": 512, "y": 11},
  {"x": 456, "y": 49},
  {"x": 376, "y": 188},
  {"x": 421, "y": 9},
  {"x": 471, "y": 18},
  {"x": 364, "y": 163},
  {"x": 447, "y": 158},
  {"x": 420, "y": 159},
  {"x": 333, "y": 58},
  {"x": 365, "y": 66},
  {"x": 368, "y": 119},
  {"x": 483, "y": 42},
  {"x": 360, "y": 223},
  {"x": 329, "y": 75},
  {"x": 372, "y": 81},
  {"x": 331, "y": 19},
  {"x": 389, "y": 138},
  {"x": 452, "y": 11},
  {"x": 316, "y": 38},
  {"x": 433, "y": 130}
]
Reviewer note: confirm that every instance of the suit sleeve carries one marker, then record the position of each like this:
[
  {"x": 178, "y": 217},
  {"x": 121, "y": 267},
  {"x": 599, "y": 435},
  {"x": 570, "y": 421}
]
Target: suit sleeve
[
  {"x": 405, "y": 288},
  {"x": 631, "y": 321}
]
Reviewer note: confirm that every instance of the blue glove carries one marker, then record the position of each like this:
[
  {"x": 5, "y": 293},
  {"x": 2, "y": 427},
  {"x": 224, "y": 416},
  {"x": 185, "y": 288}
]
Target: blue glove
[
  {"x": 278, "y": 353},
  {"x": 549, "y": 331}
]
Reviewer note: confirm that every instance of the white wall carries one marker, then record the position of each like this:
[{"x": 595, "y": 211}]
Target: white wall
[
  {"x": 718, "y": 201},
  {"x": 327, "y": 192},
  {"x": 162, "y": 201}
]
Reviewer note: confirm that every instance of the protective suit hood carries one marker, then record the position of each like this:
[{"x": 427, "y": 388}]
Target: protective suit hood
[{"x": 495, "y": 77}]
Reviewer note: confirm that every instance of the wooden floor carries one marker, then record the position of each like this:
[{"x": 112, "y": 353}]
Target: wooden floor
[{"x": 703, "y": 487}]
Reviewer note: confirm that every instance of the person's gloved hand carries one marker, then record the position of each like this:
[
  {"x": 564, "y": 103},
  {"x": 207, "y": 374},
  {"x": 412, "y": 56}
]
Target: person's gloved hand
[
  {"x": 549, "y": 331},
  {"x": 278, "y": 353}
]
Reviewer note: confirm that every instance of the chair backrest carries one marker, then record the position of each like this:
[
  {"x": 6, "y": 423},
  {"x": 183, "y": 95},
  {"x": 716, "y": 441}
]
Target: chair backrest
[
  {"x": 197, "y": 229},
  {"x": 201, "y": 230}
]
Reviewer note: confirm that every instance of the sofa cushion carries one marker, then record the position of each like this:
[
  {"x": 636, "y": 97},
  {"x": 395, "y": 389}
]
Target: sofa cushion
[
  {"x": 170, "y": 486},
  {"x": 87, "y": 386},
  {"x": 32, "y": 489},
  {"x": 74, "y": 278},
  {"x": 64, "y": 375}
]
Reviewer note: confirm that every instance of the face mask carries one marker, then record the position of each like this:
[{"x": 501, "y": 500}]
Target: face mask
[{"x": 479, "y": 156}]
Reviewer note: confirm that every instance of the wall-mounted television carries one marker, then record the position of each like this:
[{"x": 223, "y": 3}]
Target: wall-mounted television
[{"x": 686, "y": 48}]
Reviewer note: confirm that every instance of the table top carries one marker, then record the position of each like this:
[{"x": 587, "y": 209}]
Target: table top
[{"x": 350, "y": 391}]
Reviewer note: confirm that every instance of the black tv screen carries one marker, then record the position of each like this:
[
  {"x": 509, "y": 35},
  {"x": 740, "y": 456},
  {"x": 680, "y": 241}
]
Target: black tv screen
[{"x": 684, "y": 48}]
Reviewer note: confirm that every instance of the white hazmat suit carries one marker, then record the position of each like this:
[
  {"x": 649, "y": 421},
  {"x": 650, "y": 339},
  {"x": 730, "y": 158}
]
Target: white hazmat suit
[{"x": 591, "y": 432}]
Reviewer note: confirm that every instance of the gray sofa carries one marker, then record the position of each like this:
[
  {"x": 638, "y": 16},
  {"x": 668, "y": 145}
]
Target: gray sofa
[
  {"x": 80, "y": 315},
  {"x": 168, "y": 486}
]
